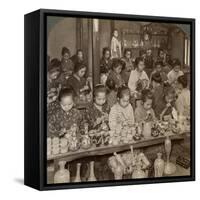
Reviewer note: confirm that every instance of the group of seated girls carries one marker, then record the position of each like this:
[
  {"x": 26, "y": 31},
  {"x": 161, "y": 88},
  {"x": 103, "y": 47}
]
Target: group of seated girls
[{"x": 117, "y": 100}]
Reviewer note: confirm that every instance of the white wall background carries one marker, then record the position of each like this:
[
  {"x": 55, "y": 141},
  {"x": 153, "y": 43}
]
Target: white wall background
[{"x": 11, "y": 99}]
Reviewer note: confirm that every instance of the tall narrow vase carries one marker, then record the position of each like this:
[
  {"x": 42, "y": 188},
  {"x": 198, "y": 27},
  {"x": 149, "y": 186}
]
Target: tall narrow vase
[
  {"x": 159, "y": 166},
  {"x": 170, "y": 168},
  {"x": 92, "y": 175},
  {"x": 78, "y": 176}
]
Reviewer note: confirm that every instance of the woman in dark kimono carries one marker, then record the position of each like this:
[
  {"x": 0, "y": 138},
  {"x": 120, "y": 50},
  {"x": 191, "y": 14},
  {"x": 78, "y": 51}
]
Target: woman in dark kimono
[
  {"x": 128, "y": 65},
  {"x": 97, "y": 112},
  {"x": 78, "y": 81},
  {"x": 78, "y": 57},
  {"x": 105, "y": 62}
]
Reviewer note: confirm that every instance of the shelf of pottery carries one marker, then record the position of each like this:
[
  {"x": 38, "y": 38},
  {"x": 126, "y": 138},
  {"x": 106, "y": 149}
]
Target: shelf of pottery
[
  {"x": 134, "y": 163},
  {"x": 104, "y": 141},
  {"x": 152, "y": 36}
]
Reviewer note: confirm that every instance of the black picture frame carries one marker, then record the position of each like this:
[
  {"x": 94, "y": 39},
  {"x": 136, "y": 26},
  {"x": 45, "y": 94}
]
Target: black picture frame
[{"x": 35, "y": 50}]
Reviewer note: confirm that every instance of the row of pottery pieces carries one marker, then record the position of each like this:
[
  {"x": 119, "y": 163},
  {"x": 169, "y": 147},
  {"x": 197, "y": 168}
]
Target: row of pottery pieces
[
  {"x": 63, "y": 175},
  {"x": 124, "y": 134},
  {"x": 133, "y": 162}
]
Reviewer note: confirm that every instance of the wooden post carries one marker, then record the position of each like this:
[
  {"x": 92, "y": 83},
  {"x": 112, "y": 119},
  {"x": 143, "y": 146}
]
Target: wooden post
[
  {"x": 78, "y": 33},
  {"x": 96, "y": 51},
  {"x": 90, "y": 48}
]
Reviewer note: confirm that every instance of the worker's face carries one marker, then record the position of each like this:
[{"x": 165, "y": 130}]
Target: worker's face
[
  {"x": 67, "y": 103},
  {"x": 115, "y": 33},
  {"x": 124, "y": 101},
  {"x": 162, "y": 54},
  {"x": 149, "y": 52},
  {"x": 80, "y": 55},
  {"x": 81, "y": 72},
  {"x": 118, "y": 69},
  {"x": 100, "y": 98},
  {"x": 66, "y": 56},
  {"x": 107, "y": 55},
  {"x": 128, "y": 54},
  {"x": 103, "y": 79},
  {"x": 158, "y": 68},
  {"x": 177, "y": 68},
  {"x": 141, "y": 66},
  {"x": 147, "y": 104}
]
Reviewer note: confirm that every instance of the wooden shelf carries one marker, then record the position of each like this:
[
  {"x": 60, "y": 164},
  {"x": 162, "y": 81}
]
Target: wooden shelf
[{"x": 103, "y": 150}]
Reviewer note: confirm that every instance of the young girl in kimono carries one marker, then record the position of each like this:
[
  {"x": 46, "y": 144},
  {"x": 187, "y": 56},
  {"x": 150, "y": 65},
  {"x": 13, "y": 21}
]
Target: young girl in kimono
[
  {"x": 67, "y": 65},
  {"x": 105, "y": 65},
  {"x": 115, "y": 45},
  {"x": 78, "y": 81},
  {"x": 115, "y": 73},
  {"x": 105, "y": 62},
  {"x": 127, "y": 59},
  {"x": 138, "y": 75},
  {"x": 122, "y": 111},
  {"x": 144, "y": 110},
  {"x": 97, "y": 112},
  {"x": 78, "y": 57},
  {"x": 159, "y": 69},
  {"x": 65, "y": 115},
  {"x": 165, "y": 107},
  {"x": 175, "y": 72}
]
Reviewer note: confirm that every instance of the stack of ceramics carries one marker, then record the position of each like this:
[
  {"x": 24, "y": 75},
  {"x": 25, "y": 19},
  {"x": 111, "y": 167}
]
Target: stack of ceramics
[
  {"x": 55, "y": 145},
  {"x": 63, "y": 145}
]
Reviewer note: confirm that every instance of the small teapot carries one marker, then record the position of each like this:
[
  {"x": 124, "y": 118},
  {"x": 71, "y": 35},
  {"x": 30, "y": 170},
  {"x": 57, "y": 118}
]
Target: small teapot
[
  {"x": 85, "y": 142},
  {"x": 129, "y": 135},
  {"x": 104, "y": 126}
]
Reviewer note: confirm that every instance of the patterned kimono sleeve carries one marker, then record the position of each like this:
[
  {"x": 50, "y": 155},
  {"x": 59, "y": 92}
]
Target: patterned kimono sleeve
[
  {"x": 113, "y": 118},
  {"x": 53, "y": 125},
  {"x": 89, "y": 117},
  {"x": 80, "y": 119}
]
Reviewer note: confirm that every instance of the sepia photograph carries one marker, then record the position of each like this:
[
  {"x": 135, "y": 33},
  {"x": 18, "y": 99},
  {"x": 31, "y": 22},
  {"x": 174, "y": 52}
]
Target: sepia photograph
[{"x": 118, "y": 99}]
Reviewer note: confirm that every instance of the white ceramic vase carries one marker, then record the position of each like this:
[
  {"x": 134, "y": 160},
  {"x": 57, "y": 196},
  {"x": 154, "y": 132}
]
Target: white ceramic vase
[
  {"x": 159, "y": 166},
  {"x": 92, "y": 175},
  {"x": 62, "y": 175},
  {"x": 78, "y": 170}
]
